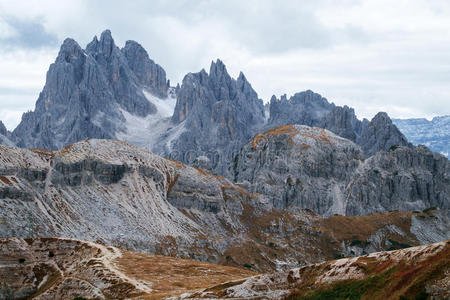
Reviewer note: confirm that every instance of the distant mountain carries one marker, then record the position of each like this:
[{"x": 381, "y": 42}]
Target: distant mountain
[
  {"x": 90, "y": 92},
  {"x": 434, "y": 134},
  {"x": 311, "y": 109}
]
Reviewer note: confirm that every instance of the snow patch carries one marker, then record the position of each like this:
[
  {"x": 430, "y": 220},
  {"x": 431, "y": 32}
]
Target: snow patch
[
  {"x": 165, "y": 107},
  {"x": 145, "y": 131}
]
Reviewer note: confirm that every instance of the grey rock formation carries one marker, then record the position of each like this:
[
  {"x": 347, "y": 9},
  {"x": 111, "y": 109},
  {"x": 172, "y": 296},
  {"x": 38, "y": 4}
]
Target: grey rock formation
[
  {"x": 311, "y": 109},
  {"x": 86, "y": 92},
  {"x": 434, "y": 134},
  {"x": 214, "y": 116},
  {"x": 313, "y": 168}
]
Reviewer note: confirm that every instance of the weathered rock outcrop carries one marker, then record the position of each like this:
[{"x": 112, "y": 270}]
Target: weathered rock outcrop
[
  {"x": 114, "y": 193},
  {"x": 214, "y": 116},
  {"x": 88, "y": 91},
  {"x": 312, "y": 168},
  {"x": 311, "y": 109}
]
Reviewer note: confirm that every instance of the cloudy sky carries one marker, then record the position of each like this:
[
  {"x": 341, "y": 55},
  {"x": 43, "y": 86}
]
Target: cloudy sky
[{"x": 378, "y": 55}]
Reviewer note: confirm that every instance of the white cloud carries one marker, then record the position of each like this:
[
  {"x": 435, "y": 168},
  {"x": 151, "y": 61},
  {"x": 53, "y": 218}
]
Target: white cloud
[{"x": 372, "y": 55}]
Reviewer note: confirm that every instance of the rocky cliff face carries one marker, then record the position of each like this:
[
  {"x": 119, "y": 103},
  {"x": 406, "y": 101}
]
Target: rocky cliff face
[
  {"x": 114, "y": 193},
  {"x": 214, "y": 116},
  {"x": 313, "y": 168},
  {"x": 434, "y": 134},
  {"x": 87, "y": 93},
  {"x": 311, "y": 109}
]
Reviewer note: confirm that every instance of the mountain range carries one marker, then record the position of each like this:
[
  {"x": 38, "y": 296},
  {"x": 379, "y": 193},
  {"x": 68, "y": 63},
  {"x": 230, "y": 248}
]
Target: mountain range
[
  {"x": 434, "y": 134},
  {"x": 106, "y": 92},
  {"x": 114, "y": 155}
]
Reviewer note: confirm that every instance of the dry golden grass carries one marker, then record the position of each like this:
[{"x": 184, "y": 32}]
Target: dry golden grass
[
  {"x": 321, "y": 137},
  {"x": 5, "y": 180},
  {"x": 174, "y": 276},
  {"x": 285, "y": 129},
  {"x": 43, "y": 152},
  {"x": 361, "y": 227},
  {"x": 177, "y": 163}
]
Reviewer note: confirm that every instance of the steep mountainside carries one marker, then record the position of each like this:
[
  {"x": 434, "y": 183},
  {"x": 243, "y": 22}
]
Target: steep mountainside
[
  {"x": 434, "y": 134},
  {"x": 114, "y": 193},
  {"x": 311, "y": 109},
  {"x": 413, "y": 273},
  {"x": 214, "y": 116},
  {"x": 90, "y": 93},
  {"x": 55, "y": 268},
  {"x": 296, "y": 165}
]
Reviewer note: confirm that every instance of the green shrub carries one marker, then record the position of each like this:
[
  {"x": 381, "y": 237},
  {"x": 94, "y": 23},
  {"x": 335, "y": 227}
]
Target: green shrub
[
  {"x": 393, "y": 148},
  {"x": 429, "y": 209}
]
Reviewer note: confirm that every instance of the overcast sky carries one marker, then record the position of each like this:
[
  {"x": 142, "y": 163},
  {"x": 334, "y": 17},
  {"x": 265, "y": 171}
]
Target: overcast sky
[{"x": 378, "y": 55}]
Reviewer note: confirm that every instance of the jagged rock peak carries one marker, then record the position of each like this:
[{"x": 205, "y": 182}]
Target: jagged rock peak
[
  {"x": 87, "y": 91},
  {"x": 245, "y": 87},
  {"x": 218, "y": 68},
  {"x": 68, "y": 50},
  {"x": 380, "y": 134},
  {"x": 104, "y": 46},
  {"x": 221, "y": 81},
  {"x": 309, "y": 108},
  {"x": 149, "y": 74},
  {"x": 106, "y": 42},
  {"x": 220, "y": 114},
  {"x": 305, "y": 108},
  {"x": 381, "y": 117}
]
